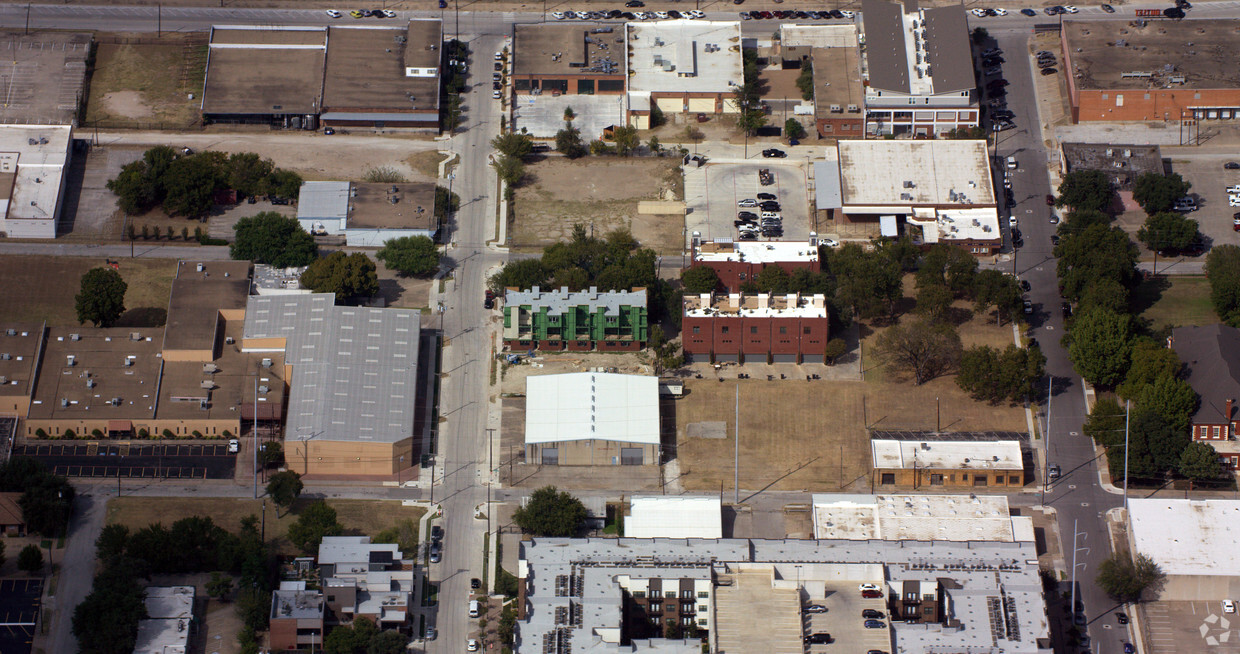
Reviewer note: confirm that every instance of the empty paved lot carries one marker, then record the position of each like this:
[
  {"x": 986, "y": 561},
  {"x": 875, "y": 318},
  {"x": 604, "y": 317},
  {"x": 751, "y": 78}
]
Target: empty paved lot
[
  {"x": 1184, "y": 627},
  {"x": 134, "y": 461},
  {"x": 759, "y": 618}
]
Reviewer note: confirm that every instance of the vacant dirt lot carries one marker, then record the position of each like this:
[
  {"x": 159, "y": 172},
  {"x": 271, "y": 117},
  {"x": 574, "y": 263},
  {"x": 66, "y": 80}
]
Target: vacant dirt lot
[
  {"x": 43, "y": 288},
  {"x": 812, "y": 435},
  {"x": 598, "y": 192},
  {"x": 147, "y": 83},
  {"x": 358, "y": 517}
]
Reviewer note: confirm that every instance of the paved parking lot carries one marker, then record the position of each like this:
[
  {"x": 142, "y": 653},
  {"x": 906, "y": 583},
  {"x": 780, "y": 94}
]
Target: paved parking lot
[
  {"x": 1210, "y": 181},
  {"x": 712, "y": 191},
  {"x": 19, "y": 611},
  {"x": 134, "y": 461},
  {"x": 844, "y": 622},
  {"x": 1184, "y": 627}
]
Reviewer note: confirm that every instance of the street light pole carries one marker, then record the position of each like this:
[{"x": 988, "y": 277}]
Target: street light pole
[{"x": 1127, "y": 413}]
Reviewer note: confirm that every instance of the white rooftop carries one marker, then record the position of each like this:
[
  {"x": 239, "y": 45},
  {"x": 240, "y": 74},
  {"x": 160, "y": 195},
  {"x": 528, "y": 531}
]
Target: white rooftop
[
  {"x": 36, "y": 154},
  {"x": 757, "y": 252},
  {"x": 914, "y": 173},
  {"x": 675, "y": 56},
  {"x": 673, "y": 516},
  {"x": 978, "y": 224},
  {"x": 162, "y": 636},
  {"x": 760, "y": 305},
  {"x": 165, "y": 602},
  {"x": 323, "y": 200},
  {"x": 818, "y": 36},
  {"x": 583, "y": 406},
  {"x": 1187, "y": 537},
  {"x": 916, "y": 517},
  {"x": 947, "y": 455}
]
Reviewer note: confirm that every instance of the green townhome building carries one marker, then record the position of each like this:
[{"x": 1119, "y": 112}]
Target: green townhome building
[{"x": 608, "y": 321}]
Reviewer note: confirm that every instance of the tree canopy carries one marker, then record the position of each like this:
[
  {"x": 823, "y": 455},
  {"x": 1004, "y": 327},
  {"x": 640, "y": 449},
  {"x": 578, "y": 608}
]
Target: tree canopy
[
  {"x": 185, "y": 184},
  {"x": 1099, "y": 345},
  {"x": 101, "y": 299},
  {"x": 513, "y": 144},
  {"x": 315, "y": 521},
  {"x": 1126, "y": 579},
  {"x": 1168, "y": 230},
  {"x": 410, "y": 255},
  {"x": 349, "y": 276},
  {"x": 1172, "y": 399},
  {"x": 550, "y": 512},
  {"x": 1157, "y": 193},
  {"x": 805, "y": 80},
  {"x": 275, "y": 239},
  {"x": 1097, "y": 252},
  {"x": 1149, "y": 361},
  {"x": 1199, "y": 462},
  {"x": 923, "y": 348},
  {"x": 992, "y": 288},
  {"x": 568, "y": 142},
  {"x": 1223, "y": 271},
  {"x": 868, "y": 283},
  {"x": 46, "y": 501},
  {"x": 699, "y": 279},
  {"x": 284, "y": 488},
  {"x": 1086, "y": 190},
  {"x": 992, "y": 375},
  {"x": 30, "y": 559}
]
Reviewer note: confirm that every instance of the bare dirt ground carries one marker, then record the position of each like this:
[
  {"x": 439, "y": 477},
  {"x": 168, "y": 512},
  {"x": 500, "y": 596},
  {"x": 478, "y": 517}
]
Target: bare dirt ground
[
  {"x": 600, "y": 192},
  {"x": 48, "y": 286},
  {"x": 147, "y": 83},
  {"x": 398, "y": 291}
]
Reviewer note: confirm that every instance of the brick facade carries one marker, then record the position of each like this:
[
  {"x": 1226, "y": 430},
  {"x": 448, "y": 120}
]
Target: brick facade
[{"x": 731, "y": 336}]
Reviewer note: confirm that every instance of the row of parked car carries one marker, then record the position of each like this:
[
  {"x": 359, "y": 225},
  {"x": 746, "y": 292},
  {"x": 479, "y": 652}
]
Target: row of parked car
[
  {"x": 834, "y": 14},
  {"x": 872, "y": 618},
  {"x": 628, "y": 15},
  {"x": 768, "y": 222}
]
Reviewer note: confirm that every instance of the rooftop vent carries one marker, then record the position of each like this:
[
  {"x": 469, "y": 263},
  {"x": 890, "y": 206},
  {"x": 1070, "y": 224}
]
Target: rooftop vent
[{"x": 70, "y": 360}]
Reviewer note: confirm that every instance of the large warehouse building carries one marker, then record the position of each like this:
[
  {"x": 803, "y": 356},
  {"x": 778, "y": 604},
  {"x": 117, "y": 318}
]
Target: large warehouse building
[
  {"x": 353, "y": 382},
  {"x": 295, "y": 77},
  {"x": 1160, "y": 70},
  {"x": 1191, "y": 541}
]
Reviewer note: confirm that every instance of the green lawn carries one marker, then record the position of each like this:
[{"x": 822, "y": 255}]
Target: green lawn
[{"x": 1175, "y": 301}]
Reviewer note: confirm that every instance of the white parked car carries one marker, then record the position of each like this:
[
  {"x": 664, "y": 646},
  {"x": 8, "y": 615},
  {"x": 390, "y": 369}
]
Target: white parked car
[
  {"x": 1001, "y": 11},
  {"x": 830, "y": 242},
  {"x": 1229, "y": 606},
  {"x": 1233, "y": 201},
  {"x": 557, "y": 15},
  {"x": 234, "y": 446},
  {"x": 333, "y": 13},
  {"x": 661, "y": 15},
  {"x": 1234, "y": 188},
  {"x": 979, "y": 12},
  {"x": 697, "y": 13},
  {"x": 1012, "y": 221},
  {"x": 1070, "y": 9},
  {"x": 848, "y": 14},
  {"x": 865, "y": 587},
  {"x": 747, "y": 202}
]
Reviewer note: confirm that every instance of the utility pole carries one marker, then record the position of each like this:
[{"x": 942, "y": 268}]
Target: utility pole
[
  {"x": 736, "y": 452},
  {"x": 255, "y": 444},
  {"x": 1075, "y": 533},
  {"x": 1127, "y": 413},
  {"x": 1046, "y": 441}
]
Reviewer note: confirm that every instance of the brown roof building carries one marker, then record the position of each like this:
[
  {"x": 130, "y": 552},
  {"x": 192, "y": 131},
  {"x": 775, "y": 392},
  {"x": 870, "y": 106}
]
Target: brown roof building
[
  {"x": 20, "y": 347},
  {"x": 11, "y": 521}
]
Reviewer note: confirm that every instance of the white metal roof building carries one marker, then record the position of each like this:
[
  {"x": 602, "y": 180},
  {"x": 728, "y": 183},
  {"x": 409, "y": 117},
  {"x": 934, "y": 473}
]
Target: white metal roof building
[
  {"x": 684, "y": 65},
  {"x": 946, "y": 455},
  {"x": 592, "y": 418},
  {"x": 33, "y": 159},
  {"x": 918, "y": 518},
  {"x": 1192, "y": 542},
  {"x": 674, "y": 516}
]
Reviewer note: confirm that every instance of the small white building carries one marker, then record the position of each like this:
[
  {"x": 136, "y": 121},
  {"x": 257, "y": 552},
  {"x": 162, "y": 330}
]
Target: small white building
[
  {"x": 592, "y": 418},
  {"x": 958, "y": 518},
  {"x": 1192, "y": 542},
  {"x": 367, "y": 214},
  {"x": 674, "y": 516},
  {"x": 33, "y": 159}
]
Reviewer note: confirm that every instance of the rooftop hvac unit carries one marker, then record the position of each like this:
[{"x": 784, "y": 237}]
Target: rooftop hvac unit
[
  {"x": 4, "y": 380},
  {"x": 135, "y": 336},
  {"x": 64, "y": 402},
  {"x": 835, "y": 109},
  {"x": 207, "y": 384},
  {"x": 908, "y": 183},
  {"x": 5, "y": 356},
  {"x": 128, "y": 362},
  {"x": 11, "y": 332},
  {"x": 198, "y": 267},
  {"x": 263, "y": 389},
  {"x": 1127, "y": 153},
  {"x": 90, "y": 383},
  {"x": 852, "y": 108},
  {"x": 70, "y": 360},
  {"x": 75, "y": 337},
  {"x": 116, "y": 401},
  {"x": 266, "y": 363}
]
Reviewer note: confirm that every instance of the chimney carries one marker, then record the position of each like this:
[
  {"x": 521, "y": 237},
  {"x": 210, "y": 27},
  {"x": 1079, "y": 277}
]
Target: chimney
[
  {"x": 1228, "y": 414},
  {"x": 820, "y": 301},
  {"x": 764, "y": 300},
  {"x": 1170, "y": 341},
  {"x": 734, "y": 299},
  {"x": 705, "y": 297}
]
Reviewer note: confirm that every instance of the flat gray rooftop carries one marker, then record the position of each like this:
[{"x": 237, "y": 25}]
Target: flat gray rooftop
[
  {"x": 1106, "y": 54},
  {"x": 265, "y": 71},
  {"x": 1122, "y": 163},
  {"x": 43, "y": 76},
  {"x": 543, "y": 49}
]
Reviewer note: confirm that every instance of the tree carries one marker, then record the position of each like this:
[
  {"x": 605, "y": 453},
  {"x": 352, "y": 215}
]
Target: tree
[
  {"x": 1223, "y": 271},
  {"x": 948, "y": 265},
  {"x": 523, "y": 274},
  {"x": 110, "y": 544},
  {"x": 551, "y": 513},
  {"x": 284, "y": 488},
  {"x": 1157, "y": 193},
  {"x": 1079, "y": 219},
  {"x": 923, "y": 348},
  {"x": 1105, "y": 424},
  {"x": 190, "y": 184},
  {"x": 47, "y": 504},
  {"x": 805, "y": 81},
  {"x": 834, "y": 349},
  {"x": 349, "y": 276},
  {"x": 1153, "y": 439},
  {"x": 654, "y": 146},
  {"x": 513, "y": 144},
  {"x": 106, "y": 621},
  {"x": 271, "y": 238},
  {"x": 569, "y": 115},
  {"x": 992, "y": 375},
  {"x": 699, "y": 279},
  {"x": 387, "y": 642},
  {"x": 102, "y": 297},
  {"x": 1099, "y": 345},
  {"x": 248, "y": 173},
  {"x": 1172, "y": 399},
  {"x": 1086, "y": 190},
  {"x": 1126, "y": 579},
  {"x": 793, "y": 129},
  {"x": 271, "y": 454},
  {"x": 933, "y": 301},
  {"x": 992, "y": 288},
  {"x": 568, "y": 142},
  {"x": 30, "y": 559},
  {"x": 283, "y": 183},
  {"x": 626, "y": 140},
  {"x": 446, "y": 202},
  {"x": 1104, "y": 294},
  {"x": 135, "y": 188},
  {"x": 657, "y": 119},
  {"x": 410, "y": 255},
  {"x": 316, "y": 521},
  {"x": 773, "y": 279},
  {"x": 1168, "y": 230},
  {"x": 1149, "y": 361},
  {"x": 219, "y": 586},
  {"x": 1095, "y": 253},
  {"x": 509, "y": 169},
  {"x": 866, "y": 282},
  {"x": 1199, "y": 462},
  {"x": 751, "y": 120}
]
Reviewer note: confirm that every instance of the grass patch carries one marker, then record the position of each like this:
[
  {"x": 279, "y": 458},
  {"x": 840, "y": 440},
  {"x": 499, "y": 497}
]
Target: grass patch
[
  {"x": 48, "y": 286},
  {"x": 430, "y": 593},
  {"x": 426, "y": 162},
  {"x": 147, "y": 83},
  {"x": 1183, "y": 300},
  {"x": 359, "y": 517},
  {"x": 486, "y": 553}
]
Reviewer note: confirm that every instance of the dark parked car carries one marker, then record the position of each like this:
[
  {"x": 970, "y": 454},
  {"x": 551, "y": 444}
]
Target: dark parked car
[
  {"x": 635, "y": 3},
  {"x": 836, "y": 13},
  {"x": 497, "y": 86},
  {"x": 820, "y": 638},
  {"x": 1054, "y": 239},
  {"x": 1050, "y": 200},
  {"x": 1108, "y": 8},
  {"x": 475, "y": 583},
  {"x": 436, "y": 533},
  {"x": 875, "y": 624},
  {"x": 1049, "y": 71},
  {"x": 767, "y": 196},
  {"x": 746, "y": 215},
  {"x": 815, "y": 608},
  {"x": 1028, "y": 306},
  {"x": 1122, "y": 617},
  {"x": 871, "y": 614},
  {"x": 1231, "y": 165},
  {"x": 278, "y": 200},
  {"x": 769, "y": 205},
  {"x": 1173, "y": 12},
  {"x": 872, "y": 594},
  {"x": 1066, "y": 308},
  {"x": 998, "y": 82},
  {"x": 1024, "y": 285},
  {"x": 773, "y": 153},
  {"x": 1028, "y": 12}
]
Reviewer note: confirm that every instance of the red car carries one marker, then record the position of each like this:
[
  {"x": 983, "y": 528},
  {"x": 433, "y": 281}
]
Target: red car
[
  {"x": 871, "y": 594},
  {"x": 1050, "y": 200}
]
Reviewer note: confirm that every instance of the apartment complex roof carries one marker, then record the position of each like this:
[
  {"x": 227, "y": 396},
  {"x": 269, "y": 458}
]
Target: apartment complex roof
[
  {"x": 947, "y": 49},
  {"x": 354, "y": 368},
  {"x": 922, "y": 518},
  {"x": 1211, "y": 357},
  {"x": 684, "y": 56},
  {"x": 542, "y": 49},
  {"x": 758, "y": 305},
  {"x": 20, "y": 343},
  {"x": 582, "y": 406},
  {"x": 200, "y": 291},
  {"x": 559, "y": 301},
  {"x": 946, "y": 455},
  {"x": 679, "y": 516},
  {"x": 883, "y": 23},
  {"x": 1187, "y": 537},
  {"x": 915, "y": 173},
  {"x": 916, "y": 51},
  {"x": 1158, "y": 54},
  {"x": 756, "y": 252}
]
